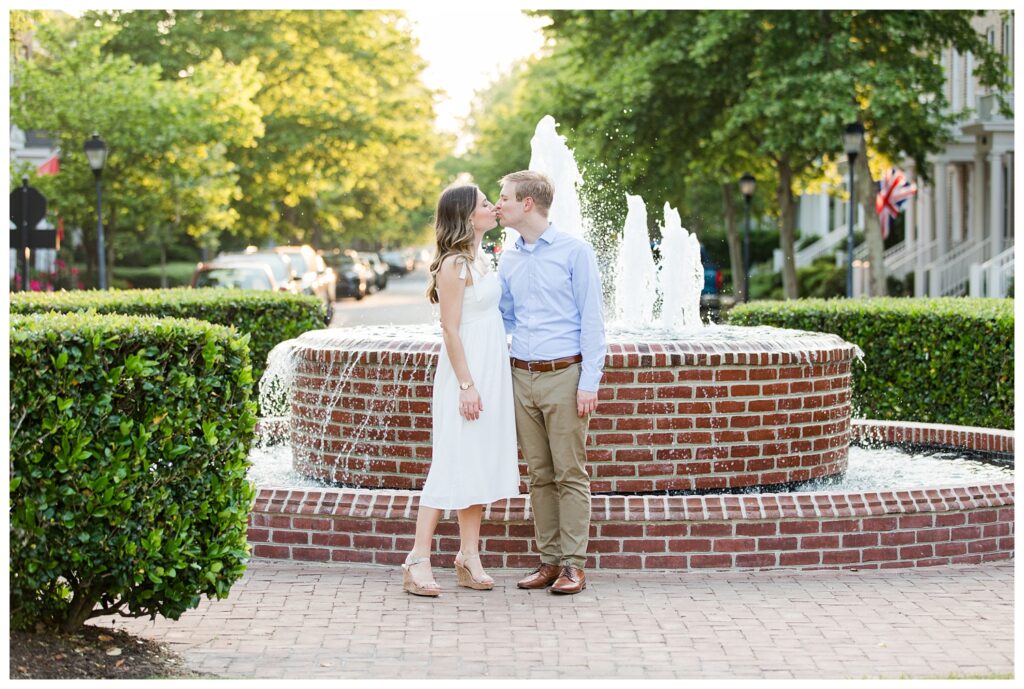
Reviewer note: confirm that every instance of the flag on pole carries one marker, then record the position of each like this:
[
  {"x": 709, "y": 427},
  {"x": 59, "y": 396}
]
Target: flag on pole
[
  {"x": 893, "y": 193},
  {"x": 50, "y": 167}
]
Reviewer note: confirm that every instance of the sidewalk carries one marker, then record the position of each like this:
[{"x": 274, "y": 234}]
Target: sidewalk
[{"x": 289, "y": 620}]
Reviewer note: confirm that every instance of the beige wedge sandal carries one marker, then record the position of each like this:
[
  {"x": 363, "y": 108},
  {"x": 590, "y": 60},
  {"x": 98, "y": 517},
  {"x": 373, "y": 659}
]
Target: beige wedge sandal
[
  {"x": 466, "y": 578},
  {"x": 409, "y": 584}
]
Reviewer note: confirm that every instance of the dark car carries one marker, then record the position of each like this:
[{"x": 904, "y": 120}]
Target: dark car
[
  {"x": 379, "y": 268},
  {"x": 711, "y": 295},
  {"x": 399, "y": 262},
  {"x": 354, "y": 276}
]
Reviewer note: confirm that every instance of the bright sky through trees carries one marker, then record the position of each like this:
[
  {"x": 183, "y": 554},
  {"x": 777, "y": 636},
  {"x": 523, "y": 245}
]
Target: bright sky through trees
[{"x": 467, "y": 48}]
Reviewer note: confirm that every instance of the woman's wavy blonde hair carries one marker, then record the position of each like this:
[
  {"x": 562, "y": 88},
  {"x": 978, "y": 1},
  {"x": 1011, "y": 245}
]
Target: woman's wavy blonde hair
[{"x": 453, "y": 229}]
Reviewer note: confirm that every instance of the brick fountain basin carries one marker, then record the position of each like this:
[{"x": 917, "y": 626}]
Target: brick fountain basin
[
  {"x": 721, "y": 413},
  {"x": 700, "y": 418}
]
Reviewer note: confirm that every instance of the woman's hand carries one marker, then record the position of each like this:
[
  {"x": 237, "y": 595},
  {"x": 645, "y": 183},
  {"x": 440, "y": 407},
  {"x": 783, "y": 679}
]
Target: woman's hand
[{"x": 470, "y": 405}]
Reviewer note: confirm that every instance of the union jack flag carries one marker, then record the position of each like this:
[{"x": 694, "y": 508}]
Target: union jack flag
[{"x": 893, "y": 193}]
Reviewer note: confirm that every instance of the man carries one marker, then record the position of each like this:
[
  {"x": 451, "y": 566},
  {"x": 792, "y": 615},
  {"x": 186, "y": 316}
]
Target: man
[{"x": 551, "y": 304}]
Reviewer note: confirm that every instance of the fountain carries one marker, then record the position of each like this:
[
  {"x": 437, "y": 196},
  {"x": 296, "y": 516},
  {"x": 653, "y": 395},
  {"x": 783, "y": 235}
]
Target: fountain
[{"x": 700, "y": 436}]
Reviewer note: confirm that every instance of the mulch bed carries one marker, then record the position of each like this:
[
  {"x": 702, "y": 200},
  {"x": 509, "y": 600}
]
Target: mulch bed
[{"x": 93, "y": 653}]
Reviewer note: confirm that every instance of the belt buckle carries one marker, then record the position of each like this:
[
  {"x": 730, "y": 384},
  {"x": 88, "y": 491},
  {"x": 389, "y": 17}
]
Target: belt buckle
[{"x": 529, "y": 367}]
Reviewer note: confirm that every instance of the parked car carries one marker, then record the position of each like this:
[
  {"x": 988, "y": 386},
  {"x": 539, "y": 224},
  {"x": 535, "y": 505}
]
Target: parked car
[
  {"x": 354, "y": 276},
  {"x": 379, "y": 268},
  {"x": 229, "y": 274},
  {"x": 314, "y": 276},
  {"x": 399, "y": 262},
  {"x": 280, "y": 265},
  {"x": 711, "y": 295}
]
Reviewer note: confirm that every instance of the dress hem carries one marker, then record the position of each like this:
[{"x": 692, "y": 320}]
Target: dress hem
[{"x": 470, "y": 504}]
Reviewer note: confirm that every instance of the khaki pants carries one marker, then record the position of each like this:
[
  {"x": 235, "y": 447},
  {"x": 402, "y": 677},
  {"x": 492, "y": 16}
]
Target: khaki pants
[{"x": 553, "y": 440}]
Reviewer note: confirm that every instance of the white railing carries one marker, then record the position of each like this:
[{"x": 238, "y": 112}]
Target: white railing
[
  {"x": 951, "y": 274},
  {"x": 805, "y": 257},
  {"x": 992, "y": 278},
  {"x": 898, "y": 264}
]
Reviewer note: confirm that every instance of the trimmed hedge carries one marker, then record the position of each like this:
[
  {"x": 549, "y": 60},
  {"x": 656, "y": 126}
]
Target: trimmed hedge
[
  {"x": 129, "y": 445},
  {"x": 268, "y": 317},
  {"x": 933, "y": 360},
  {"x": 179, "y": 274}
]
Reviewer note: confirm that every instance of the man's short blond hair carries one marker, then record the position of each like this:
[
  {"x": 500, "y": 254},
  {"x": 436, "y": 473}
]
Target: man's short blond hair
[{"x": 536, "y": 185}]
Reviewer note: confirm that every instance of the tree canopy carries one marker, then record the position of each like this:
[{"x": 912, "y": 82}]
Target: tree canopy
[{"x": 672, "y": 104}]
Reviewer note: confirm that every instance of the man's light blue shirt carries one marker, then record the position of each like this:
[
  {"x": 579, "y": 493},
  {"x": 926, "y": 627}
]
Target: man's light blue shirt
[{"x": 551, "y": 303}]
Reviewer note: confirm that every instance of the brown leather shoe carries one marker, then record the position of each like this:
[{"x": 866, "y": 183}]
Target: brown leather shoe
[
  {"x": 571, "y": 580},
  {"x": 541, "y": 577}
]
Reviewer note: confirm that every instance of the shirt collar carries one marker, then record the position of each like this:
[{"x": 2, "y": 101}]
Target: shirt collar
[{"x": 549, "y": 236}]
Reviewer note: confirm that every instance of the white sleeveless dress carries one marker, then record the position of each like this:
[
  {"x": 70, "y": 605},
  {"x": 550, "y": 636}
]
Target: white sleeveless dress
[{"x": 475, "y": 462}]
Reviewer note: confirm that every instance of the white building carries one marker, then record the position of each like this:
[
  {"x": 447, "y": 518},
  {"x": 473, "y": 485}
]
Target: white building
[
  {"x": 41, "y": 153},
  {"x": 959, "y": 229}
]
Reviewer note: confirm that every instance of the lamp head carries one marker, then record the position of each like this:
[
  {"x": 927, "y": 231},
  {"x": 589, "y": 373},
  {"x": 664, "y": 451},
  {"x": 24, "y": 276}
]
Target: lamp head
[
  {"x": 96, "y": 152},
  {"x": 747, "y": 185},
  {"x": 853, "y": 137}
]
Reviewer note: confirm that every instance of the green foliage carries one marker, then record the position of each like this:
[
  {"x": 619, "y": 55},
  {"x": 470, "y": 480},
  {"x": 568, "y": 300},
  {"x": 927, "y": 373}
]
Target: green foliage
[
  {"x": 348, "y": 146},
  {"x": 129, "y": 445},
  {"x": 266, "y": 318},
  {"x": 179, "y": 274},
  {"x": 170, "y": 170},
  {"x": 932, "y": 360},
  {"x": 678, "y": 103}
]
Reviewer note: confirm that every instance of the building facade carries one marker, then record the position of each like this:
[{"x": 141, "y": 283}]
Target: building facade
[{"x": 959, "y": 237}]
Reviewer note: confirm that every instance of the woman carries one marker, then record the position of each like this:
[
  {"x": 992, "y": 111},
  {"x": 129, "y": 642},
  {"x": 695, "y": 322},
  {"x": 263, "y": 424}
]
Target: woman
[{"x": 474, "y": 455}]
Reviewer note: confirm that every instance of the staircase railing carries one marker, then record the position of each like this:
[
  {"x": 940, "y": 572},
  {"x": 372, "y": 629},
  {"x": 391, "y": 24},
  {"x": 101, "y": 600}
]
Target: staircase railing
[
  {"x": 992, "y": 278},
  {"x": 951, "y": 274}
]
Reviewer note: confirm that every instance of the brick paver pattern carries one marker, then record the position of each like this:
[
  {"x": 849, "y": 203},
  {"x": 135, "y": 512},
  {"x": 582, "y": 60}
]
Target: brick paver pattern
[{"x": 302, "y": 620}]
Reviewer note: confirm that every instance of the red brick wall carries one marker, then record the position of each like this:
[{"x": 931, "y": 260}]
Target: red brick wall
[
  {"x": 904, "y": 528},
  {"x": 671, "y": 416}
]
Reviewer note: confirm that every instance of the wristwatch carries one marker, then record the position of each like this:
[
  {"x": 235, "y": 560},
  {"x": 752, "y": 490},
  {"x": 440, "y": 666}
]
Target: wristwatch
[{"x": 465, "y": 386}]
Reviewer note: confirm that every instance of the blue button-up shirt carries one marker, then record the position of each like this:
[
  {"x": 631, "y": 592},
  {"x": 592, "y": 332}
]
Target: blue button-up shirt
[{"x": 551, "y": 303}]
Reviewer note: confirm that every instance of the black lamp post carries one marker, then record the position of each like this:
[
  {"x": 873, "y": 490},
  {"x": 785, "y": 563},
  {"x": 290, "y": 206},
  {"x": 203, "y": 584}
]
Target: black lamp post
[
  {"x": 96, "y": 152},
  {"x": 747, "y": 184},
  {"x": 853, "y": 138}
]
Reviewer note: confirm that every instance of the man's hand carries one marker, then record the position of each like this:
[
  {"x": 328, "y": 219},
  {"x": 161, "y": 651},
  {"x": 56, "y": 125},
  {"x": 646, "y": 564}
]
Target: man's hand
[{"x": 586, "y": 402}]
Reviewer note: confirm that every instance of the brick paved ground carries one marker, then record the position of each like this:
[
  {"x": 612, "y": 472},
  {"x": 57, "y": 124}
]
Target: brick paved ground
[{"x": 285, "y": 619}]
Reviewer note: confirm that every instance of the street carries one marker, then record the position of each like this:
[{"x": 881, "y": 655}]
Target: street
[{"x": 402, "y": 302}]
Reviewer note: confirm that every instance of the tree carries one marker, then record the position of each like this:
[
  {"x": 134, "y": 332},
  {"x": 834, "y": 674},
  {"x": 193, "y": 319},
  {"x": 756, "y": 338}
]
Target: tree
[
  {"x": 349, "y": 146},
  {"x": 167, "y": 140},
  {"x": 776, "y": 86}
]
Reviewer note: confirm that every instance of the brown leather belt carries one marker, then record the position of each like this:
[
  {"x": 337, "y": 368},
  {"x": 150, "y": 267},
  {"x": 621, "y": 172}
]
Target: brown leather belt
[{"x": 546, "y": 366}]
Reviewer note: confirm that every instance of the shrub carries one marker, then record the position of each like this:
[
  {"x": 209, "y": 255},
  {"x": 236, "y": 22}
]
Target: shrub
[
  {"x": 179, "y": 274},
  {"x": 267, "y": 317},
  {"x": 935, "y": 360},
  {"x": 129, "y": 445}
]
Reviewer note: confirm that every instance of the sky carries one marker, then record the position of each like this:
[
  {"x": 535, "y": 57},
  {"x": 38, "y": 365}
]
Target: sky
[{"x": 466, "y": 49}]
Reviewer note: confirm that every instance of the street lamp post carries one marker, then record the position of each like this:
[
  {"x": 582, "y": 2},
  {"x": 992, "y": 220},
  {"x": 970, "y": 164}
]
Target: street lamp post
[
  {"x": 747, "y": 184},
  {"x": 853, "y": 137},
  {"x": 96, "y": 152}
]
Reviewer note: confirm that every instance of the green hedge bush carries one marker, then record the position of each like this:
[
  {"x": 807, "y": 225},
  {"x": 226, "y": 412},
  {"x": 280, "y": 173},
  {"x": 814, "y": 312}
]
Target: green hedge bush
[
  {"x": 129, "y": 445},
  {"x": 179, "y": 274},
  {"x": 267, "y": 317},
  {"x": 932, "y": 360}
]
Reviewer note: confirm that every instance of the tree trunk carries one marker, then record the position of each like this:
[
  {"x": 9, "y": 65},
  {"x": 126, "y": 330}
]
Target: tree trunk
[
  {"x": 82, "y": 604},
  {"x": 739, "y": 286},
  {"x": 108, "y": 241},
  {"x": 787, "y": 233},
  {"x": 866, "y": 191},
  {"x": 163, "y": 261}
]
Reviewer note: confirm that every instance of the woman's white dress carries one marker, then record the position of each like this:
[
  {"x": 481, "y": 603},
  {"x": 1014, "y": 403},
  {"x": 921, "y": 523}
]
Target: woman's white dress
[{"x": 475, "y": 462}]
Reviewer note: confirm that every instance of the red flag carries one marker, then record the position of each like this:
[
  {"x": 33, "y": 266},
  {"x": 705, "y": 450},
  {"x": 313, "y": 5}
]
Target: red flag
[{"x": 50, "y": 167}]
